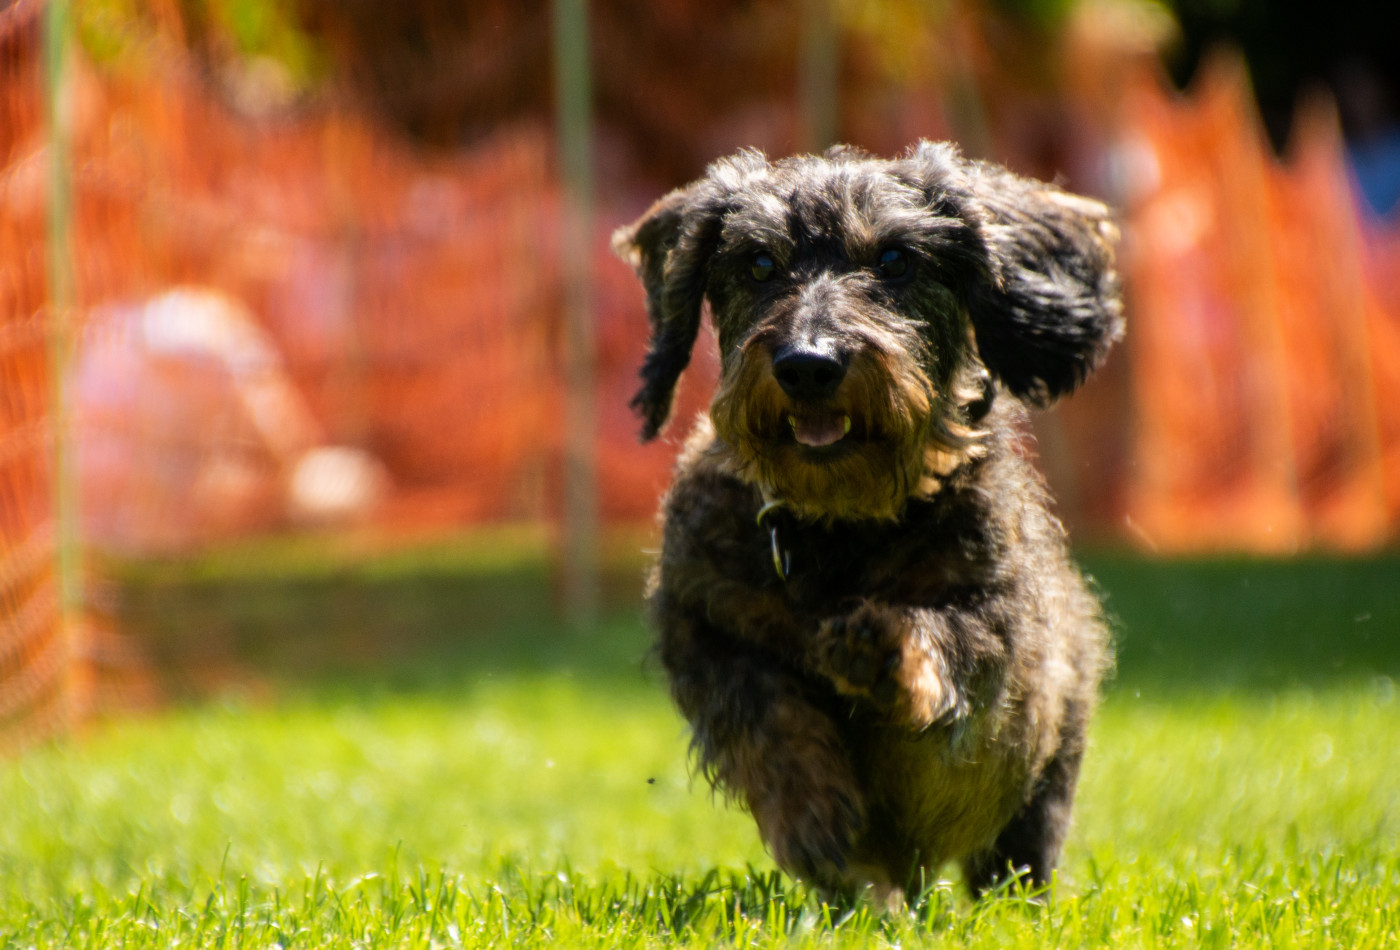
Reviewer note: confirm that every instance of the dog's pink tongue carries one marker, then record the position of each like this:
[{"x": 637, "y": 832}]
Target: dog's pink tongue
[{"x": 817, "y": 431}]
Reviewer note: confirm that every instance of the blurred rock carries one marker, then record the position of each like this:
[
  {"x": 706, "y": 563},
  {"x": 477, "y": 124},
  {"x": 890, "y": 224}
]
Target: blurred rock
[{"x": 334, "y": 484}]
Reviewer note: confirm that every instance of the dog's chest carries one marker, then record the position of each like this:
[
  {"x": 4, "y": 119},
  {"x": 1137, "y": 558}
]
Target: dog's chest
[
  {"x": 949, "y": 797},
  {"x": 923, "y": 559},
  {"x": 773, "y": 580}
]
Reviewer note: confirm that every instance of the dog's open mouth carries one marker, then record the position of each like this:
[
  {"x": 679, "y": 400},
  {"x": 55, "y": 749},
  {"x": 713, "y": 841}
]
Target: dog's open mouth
[{"x": 819, "y": 429}]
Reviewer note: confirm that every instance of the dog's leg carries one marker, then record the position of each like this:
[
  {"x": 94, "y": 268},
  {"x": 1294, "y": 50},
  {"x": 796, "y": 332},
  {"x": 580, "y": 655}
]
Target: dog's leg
[
  {"x": 1030, "y": 845},
  {"x": 907, "y": 661},
  {"x": 759, "y": 738}
]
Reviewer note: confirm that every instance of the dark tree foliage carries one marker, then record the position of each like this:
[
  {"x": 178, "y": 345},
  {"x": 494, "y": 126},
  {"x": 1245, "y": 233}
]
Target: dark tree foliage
[{"x": 1352, "y": 47}]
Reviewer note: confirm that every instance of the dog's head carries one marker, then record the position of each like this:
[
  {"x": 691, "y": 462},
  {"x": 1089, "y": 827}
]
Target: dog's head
[{"x": 860, "y": 304}]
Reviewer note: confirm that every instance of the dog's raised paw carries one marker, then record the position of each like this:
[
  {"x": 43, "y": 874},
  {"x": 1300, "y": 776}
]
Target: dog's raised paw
[
  {"x": 861, "y": 653},
  {"x": 869, "y": 653}
]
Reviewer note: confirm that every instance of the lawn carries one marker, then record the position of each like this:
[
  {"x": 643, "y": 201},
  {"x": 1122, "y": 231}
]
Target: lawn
[{"x": 417, "y": 756}]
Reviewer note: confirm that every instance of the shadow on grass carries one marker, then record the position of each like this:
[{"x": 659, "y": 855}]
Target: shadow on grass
[
  {"x": 1219, "y": 624},
  {"x": 433, "y": 619},
  {"x": 421, "y": 620}
]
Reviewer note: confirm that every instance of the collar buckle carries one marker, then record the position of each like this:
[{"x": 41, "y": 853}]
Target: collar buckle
[{"x": 782, "y": 563}]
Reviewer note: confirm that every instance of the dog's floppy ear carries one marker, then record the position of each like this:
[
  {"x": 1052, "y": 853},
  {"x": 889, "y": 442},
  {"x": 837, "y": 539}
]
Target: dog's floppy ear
[
  {"x": 669, "y": 247},
  {"x": 1048, "y": 307}
]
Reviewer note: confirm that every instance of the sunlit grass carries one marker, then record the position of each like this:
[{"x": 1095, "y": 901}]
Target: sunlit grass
[{"x": 535, "y": 793}]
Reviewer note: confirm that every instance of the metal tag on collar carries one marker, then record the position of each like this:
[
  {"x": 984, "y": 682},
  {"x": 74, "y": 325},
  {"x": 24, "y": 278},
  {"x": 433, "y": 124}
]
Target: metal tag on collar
[{"x": 781, "y": 562}]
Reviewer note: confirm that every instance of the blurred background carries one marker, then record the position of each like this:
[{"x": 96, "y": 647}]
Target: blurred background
[{"x": 312, "y": 350}]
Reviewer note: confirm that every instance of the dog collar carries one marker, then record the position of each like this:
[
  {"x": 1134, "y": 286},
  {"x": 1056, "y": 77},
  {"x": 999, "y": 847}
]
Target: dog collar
[{"x": 781, "y": 562}]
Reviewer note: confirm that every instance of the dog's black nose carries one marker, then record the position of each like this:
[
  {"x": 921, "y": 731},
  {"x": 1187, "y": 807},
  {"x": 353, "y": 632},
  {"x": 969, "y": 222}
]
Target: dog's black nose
[{"x": 808, "y": 372}]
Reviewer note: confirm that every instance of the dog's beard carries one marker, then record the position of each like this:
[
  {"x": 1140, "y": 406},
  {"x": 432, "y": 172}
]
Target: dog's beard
[{"x": 859, "y": 455}]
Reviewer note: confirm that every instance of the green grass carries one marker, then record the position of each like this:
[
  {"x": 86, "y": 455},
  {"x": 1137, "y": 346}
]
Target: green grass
[{"x": 481, "y": 777}]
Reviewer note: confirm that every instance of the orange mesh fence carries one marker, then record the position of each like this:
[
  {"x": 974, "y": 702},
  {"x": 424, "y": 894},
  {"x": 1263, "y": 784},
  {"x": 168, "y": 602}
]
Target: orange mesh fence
[
  {"x": 252, "y": 290},
  {"x": 1263, "y": 333},
  {"x": 403, "y": 304},
  {"x": 35, "y": 663}
]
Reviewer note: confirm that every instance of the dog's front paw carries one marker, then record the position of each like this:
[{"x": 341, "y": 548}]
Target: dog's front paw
[{"x": 876, "y": 653}]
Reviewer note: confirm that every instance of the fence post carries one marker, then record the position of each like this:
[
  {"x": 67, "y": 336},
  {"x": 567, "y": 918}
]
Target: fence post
[
  {"x": 61, "y": 298},
  {"x": 573, "y": 130},
  {"x": 819, "y": 85}
]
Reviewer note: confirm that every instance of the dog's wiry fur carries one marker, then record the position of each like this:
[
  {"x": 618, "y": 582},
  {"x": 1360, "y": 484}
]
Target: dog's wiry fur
[{"x": 894, "y": 665}]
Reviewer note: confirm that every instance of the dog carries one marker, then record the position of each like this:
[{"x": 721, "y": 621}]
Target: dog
[{"x": 864, "y": 605}]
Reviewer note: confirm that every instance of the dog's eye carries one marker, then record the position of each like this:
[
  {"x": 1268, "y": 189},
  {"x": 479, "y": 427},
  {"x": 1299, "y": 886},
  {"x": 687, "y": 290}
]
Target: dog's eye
[
  {"x": 894, "y": 264},
  {"x": 762, "y": 267}
]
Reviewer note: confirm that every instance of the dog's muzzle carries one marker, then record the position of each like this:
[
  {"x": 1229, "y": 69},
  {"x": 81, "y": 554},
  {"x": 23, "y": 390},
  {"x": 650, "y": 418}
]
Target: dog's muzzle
[{"x": 810, "y": 374}]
